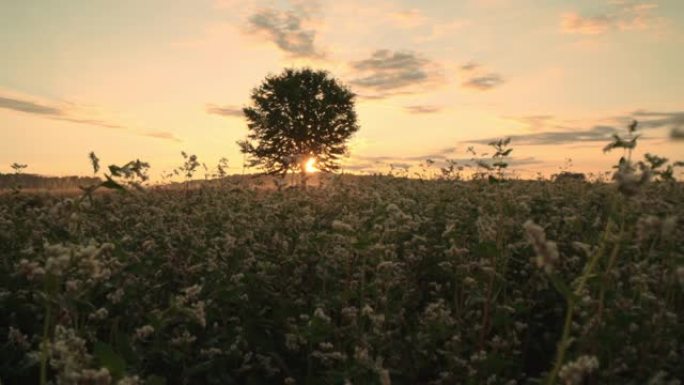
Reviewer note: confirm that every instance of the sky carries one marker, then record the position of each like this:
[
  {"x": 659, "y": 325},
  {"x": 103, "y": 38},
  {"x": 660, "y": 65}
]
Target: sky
[{"x": 148, "y": 79}]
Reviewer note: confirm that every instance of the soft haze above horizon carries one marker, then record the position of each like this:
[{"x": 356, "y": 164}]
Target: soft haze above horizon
[{"x": 149, "y": 79}]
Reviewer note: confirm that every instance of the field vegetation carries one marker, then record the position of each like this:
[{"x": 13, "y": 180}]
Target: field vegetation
[{"x": 358, "y": 280}]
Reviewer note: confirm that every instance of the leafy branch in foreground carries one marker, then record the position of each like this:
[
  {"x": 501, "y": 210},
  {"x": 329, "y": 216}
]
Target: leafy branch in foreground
[
  {"x": 599, "y": 267},
  {"x": 189, "y": 167},
  {"x": 18, "y": 169},
  {"x": 494, "y": 168},
  {"x": 659, "y": 166},
  {"x": 501, "y": 154},
  {"x": 132, "y": 174},
  {"x": 627, "y": 143},
  {"x": 652, "y": 167}
]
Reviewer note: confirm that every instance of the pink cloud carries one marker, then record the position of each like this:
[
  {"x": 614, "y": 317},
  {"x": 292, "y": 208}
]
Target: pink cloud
[{"x": 623, "y": 15}]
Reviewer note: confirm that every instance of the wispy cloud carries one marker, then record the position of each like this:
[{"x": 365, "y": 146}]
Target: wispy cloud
[
  {"x": 673, "y": 120},
  {"x": 476, "y": 76},
  {"x": 160, "y": 135},
  {"x": 422, "y": 109},
  {"x": 573, "y": 22},
  {"x": 677, "y": 133},
  {"x": 92, "y": 122},
  {"x": 483, "y": 82},
  {"x": 536, "y": 123},
  {"x": 594, "y": 134},
  {"x": 621, "y": 15},
  {"x": 233, "y": 111},
  {"x": 65, "y": 114},
  {"x": 470, "y": 66},
  {"x": 655, "y": 119},
  {"x": 389, "y": 72},
  {"x": 287, "y": 30},
  {"x": 648, "y": 120},
  {"x": 440, "y": 158},
  {"x": 28, "y": 107}
]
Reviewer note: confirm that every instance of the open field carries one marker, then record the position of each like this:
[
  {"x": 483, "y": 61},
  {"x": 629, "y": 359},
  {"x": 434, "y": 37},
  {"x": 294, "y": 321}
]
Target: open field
[
  {"x": 313, "y": 192},
  {"x": 365, "y": 280}
]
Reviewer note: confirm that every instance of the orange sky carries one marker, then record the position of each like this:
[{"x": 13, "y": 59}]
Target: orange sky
[{"x": 149, "y": 79}]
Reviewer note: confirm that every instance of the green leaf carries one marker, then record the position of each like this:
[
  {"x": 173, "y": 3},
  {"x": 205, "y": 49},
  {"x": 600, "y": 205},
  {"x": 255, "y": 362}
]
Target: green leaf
[
  {"x": 108, "y": 358},
  {"x": 111, "y": 184},
  {"x": 115, "y": 170}
]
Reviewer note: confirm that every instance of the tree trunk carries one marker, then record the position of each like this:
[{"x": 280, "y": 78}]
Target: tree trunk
[{"x": 302, "y": 174}]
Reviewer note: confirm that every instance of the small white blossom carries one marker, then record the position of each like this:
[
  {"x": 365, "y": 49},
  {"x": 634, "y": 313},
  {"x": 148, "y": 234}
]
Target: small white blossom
[
  {"x": 573, "y": 373},
  {"x": 547, "y": 252}
]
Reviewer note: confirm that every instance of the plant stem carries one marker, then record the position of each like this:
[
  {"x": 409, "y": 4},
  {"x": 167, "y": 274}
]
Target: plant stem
[
  {"x": 563, "y": 344},
  {"x": 45, "y": 344},
  {"x": 613, "y": 256},
  {"x": 581, "y": 282}
]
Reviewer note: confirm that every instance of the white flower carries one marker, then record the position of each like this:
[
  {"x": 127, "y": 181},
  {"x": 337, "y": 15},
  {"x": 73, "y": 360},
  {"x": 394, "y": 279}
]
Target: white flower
[
  {"x": 116, "y": 296},
  {"x": 573, "y": 373},
  {"x": 16, "y": 337},
  {"x": 31, "y": 270},
  {"x": 94, "y": 377},
  {"x": 680, "y": 275},
  {"x": 99, "y": 314},
  {"x": 143, "y": 332},
  {"x": 547, "y": 251},
  {"x": 184, "y": 339},
  {"x": 134, "y": 380},
  {"x": 320, "y": 314},
  {"x": 340, "y": 226}
]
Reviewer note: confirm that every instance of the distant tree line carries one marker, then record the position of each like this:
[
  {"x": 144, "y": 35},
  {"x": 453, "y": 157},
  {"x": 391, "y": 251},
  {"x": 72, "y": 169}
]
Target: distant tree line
[{"x": 31, "y": 181}]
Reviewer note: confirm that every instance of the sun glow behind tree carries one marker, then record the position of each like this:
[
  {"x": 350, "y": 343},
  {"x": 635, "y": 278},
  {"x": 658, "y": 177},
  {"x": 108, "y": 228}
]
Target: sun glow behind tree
[
  {"x": 298, "y": 119},
  {"x": 310, "y": 166}
]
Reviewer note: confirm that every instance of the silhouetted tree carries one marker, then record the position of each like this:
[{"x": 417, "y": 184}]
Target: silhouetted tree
[
  {"x": 297, "y": 115},
  {"x": 564, "y": 176}
]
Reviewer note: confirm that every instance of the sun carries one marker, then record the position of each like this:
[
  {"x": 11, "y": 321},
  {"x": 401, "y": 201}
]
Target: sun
[{"x": 310, "y": 166}]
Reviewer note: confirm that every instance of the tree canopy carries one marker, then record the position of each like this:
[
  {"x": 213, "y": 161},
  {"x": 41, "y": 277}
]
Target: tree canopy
[{"x": 296, "y": 115}]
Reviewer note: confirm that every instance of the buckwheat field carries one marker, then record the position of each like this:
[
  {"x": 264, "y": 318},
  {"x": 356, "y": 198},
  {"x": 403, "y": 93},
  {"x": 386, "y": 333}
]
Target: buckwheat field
[{"x": 360, "y": 280}]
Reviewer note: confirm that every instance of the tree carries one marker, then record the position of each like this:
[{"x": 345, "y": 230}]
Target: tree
[{"x": 295, "y": 116}]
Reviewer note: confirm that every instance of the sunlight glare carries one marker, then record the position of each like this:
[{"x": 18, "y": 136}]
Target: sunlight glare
[{"x": 310, "y": 167}]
